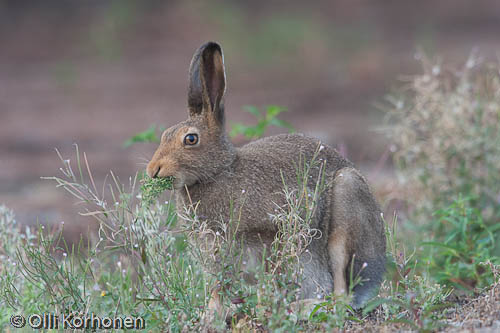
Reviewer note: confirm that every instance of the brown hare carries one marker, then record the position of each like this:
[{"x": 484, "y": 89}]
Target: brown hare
[{"x": 210, "y": 171}]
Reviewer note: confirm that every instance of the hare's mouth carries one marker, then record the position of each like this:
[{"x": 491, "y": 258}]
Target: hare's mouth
[
  {"x": 155, "y": 174},
  {"x": 161, "y": 172}
]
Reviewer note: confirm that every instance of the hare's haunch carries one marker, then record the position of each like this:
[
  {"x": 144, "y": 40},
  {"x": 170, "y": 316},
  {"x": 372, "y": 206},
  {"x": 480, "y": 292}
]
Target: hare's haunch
[{"x": 210, "y": 172}]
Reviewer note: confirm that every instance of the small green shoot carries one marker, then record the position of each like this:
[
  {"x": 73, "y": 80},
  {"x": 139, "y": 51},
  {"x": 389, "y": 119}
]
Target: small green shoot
[{"x": 148, "y": 135}]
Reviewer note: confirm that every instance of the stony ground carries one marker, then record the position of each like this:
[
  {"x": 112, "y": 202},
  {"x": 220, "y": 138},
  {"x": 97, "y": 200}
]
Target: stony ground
[{"x": 479, "y": 314}]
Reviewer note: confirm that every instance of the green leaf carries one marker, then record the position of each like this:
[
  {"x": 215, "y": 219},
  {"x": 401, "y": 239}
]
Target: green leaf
[
  {"x": 263, "y": 122},
  {"x": 148, "y": 135},
  {"x": 316, "y": 308},
  {"x": 353, "y": 318},
  {"x": 274, "y": 110},
  {"x": 446, "y": 246},
  {"x": 281, "y": 123},
  {"x": 151, "y": 188},
  {"x": 253, "y": 110},
  {"x": 371, "y": 305}
]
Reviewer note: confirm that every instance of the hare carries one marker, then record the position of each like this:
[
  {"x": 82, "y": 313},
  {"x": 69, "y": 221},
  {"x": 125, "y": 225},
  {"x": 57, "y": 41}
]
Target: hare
[{"x": 209, "y": 171}]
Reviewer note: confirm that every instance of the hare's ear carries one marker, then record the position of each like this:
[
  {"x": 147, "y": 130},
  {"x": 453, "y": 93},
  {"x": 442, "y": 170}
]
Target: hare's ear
[{"x": 207, "y": 82}]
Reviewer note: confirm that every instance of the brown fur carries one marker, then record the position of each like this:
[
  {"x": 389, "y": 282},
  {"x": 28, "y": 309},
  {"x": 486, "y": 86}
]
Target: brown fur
[{"x": 213, "y": 173}]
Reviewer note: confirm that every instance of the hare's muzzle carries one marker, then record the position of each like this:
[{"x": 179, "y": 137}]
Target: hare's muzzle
[{"x": 153, "y": 169}]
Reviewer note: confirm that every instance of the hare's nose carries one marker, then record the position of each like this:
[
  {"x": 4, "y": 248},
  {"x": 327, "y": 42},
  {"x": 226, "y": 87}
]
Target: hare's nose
[
  {"x": 157, "y": 172},
  {"x": 153, "y": 170}
]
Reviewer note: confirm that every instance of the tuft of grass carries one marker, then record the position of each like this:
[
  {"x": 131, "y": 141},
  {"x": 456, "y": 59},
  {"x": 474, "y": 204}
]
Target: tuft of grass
[{"x": 151, "y": 188}]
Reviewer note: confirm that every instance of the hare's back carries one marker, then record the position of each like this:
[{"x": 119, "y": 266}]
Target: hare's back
[{"x": 283, "y": 153}]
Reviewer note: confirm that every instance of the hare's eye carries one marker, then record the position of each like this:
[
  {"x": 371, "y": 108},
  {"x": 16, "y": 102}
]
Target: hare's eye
[{"x": 191, "y": 139}]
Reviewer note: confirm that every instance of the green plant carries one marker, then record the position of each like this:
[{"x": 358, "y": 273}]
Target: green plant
[
  {"x": 148, "y": 135},
  {"x": 10, "y": 239},
  {"x": 264, "y": 120},
  {"x": 462, "y": 242},
  {"x": 446, "y": 133}
]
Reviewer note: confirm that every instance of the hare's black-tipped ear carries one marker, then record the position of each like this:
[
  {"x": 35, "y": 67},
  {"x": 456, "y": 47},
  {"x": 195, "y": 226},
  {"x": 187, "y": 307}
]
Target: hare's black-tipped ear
[{"x": 207, "y": 82}]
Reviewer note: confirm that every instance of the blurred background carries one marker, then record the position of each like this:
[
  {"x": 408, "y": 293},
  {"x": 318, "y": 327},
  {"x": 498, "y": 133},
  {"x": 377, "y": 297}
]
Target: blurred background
[{"x": 97, "y": 72}]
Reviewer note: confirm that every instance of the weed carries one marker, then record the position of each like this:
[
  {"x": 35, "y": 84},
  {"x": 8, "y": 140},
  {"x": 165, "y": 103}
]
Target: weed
[
  {"x": 264, "y": 120},
  {"x": 446, "y": 134},
  {"x": 148, "y": 135},
  {"x": 463, "y": 241}
]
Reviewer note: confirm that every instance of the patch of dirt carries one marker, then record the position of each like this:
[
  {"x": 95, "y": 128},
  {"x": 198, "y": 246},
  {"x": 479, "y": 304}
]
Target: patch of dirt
[{"x": 479, "y": 314}]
